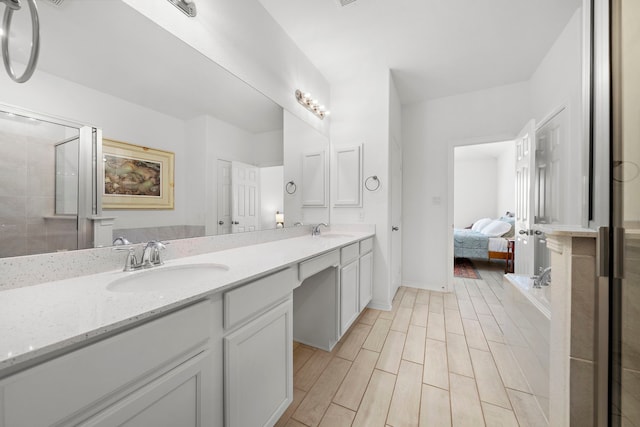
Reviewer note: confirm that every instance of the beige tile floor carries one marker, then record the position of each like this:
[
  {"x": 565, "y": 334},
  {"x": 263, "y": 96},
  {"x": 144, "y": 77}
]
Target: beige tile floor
[{"x": 435, "y": 360}]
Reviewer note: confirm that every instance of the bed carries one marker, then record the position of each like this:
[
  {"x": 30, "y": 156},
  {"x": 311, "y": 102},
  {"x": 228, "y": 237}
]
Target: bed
[{"x": 486, "y": 239}]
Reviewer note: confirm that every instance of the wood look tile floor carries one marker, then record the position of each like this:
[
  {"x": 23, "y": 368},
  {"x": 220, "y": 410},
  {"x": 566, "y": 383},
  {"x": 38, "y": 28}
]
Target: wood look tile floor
[{"x": 436, "y": 359}]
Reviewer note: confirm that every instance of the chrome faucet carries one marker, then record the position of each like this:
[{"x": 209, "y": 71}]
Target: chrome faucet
[
  {"x": 316, "y": 229},
  {"x": 542, "y": 279},
  {"x": 121, "y": 240},
  {"x": 150, "y": 256},
  {"x": 131, "y": 263}
]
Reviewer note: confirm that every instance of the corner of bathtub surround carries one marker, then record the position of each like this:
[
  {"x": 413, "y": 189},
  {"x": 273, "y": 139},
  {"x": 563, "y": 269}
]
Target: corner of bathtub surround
[{"x": 574, "y": 324}]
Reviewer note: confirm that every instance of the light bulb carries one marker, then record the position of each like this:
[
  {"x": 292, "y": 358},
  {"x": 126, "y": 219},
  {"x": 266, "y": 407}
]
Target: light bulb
[
  {"x": 327, "y": 113},
  {"x": 307, "y": 95}
]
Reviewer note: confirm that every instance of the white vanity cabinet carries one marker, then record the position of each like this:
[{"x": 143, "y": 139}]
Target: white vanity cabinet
[
  {"x": 162, "y": 373},
  {"x": 258, "y": 350},
  {"x": 349, "y": 284},
  {"x": 366, "y": 272}
]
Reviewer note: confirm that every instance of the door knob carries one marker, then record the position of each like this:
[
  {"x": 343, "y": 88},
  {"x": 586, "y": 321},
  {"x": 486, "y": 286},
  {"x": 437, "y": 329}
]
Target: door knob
[
  {"x": 220, "y": 222},
  {"x": 235, "y": 222},
  {"x": 523, "y": 232},
  {"x": 395, "y": 228}
]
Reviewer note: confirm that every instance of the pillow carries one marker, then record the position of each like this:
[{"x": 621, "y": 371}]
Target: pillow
[
  {"x": 480, "y": 224},
  {"x": 509, "y": 219},
  {"x": 496, "y": 228}
]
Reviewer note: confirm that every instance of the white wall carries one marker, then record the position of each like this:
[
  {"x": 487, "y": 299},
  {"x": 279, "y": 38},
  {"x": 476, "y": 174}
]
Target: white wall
[
  {"x": 506, "y": 177},
  {"x": 360, "y": 114},
  {"x": 555, "y": 83},
  {"x": 242, "y": 37},
  {"x": 430, "y": 131},
  {"x": 300, "y": 138},
  {"x": 475, "y": 190},
  {"x": 268, "y": 148},
  {"x": 484, "y": 181},
  {"x": 271, "y": 197}
]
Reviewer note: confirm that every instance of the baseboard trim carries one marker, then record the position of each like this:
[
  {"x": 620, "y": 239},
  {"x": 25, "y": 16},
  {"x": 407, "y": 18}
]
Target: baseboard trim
[
  {"x": 379, "y": 306},
  {"x": 425, "y": 286}
]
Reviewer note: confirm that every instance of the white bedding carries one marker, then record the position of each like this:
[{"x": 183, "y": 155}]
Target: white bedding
[{"x": 498, "y": 244}]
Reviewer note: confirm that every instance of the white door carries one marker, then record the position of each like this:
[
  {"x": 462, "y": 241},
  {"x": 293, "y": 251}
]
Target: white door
[
  {"x": 396, "y": 215},
  {"x": 224, "y": 197},
  {"x": 245, "y": 182},
  {"x": 525, "y": 168}
]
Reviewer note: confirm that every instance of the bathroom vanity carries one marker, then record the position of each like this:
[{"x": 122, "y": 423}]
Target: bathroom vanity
[{"x": 211, "y": 346}]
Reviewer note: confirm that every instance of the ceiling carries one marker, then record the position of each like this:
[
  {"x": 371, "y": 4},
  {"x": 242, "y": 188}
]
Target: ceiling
[{"x": 435, "y": 48}]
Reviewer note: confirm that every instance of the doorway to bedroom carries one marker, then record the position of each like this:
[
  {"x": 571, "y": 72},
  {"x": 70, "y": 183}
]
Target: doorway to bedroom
[{"x": 483, "y": 206}]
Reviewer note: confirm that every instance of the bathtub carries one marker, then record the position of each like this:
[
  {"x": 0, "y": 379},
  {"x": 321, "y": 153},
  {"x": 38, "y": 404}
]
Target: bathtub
[{"x": 527, "y": 330}]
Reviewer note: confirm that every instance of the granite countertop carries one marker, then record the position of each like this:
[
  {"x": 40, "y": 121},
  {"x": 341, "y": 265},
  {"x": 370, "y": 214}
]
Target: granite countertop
[{"x": 41, "y": 319}]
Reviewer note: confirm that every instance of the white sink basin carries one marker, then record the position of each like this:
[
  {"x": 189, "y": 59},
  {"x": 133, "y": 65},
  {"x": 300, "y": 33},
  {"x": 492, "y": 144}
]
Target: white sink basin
[
  {"x": 167, "y": 278},
  {"x": 334, "y": 236}
]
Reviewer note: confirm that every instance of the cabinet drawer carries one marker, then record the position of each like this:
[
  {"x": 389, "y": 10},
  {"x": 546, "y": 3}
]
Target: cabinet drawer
[
  {"x": 74, "y": 382},
  {"x": 366, "y": 245},
  {"x": 244, "y": 302},
  {"x": 349, "y": 253},
  {"x": 315, "y": 265}
]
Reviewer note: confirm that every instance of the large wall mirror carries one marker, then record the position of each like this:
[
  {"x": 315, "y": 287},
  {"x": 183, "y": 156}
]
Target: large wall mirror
[{"x": 105, "y": 64}]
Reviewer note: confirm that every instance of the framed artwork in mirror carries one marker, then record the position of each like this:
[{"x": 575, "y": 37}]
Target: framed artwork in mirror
[{"x": 136, "y": 177}]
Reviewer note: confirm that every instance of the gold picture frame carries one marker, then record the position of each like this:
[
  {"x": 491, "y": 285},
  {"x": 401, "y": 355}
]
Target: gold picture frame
[{"x": 136, "y": 177}]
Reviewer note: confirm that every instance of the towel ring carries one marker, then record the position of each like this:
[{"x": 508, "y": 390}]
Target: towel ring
[
  {"x": 10, "y": 7},
  {"x": 374, "y": 186},
  {"x": 290, "y": 187}
]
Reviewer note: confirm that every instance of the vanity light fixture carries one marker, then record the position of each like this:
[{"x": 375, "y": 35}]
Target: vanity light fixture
[
  {"x": 188, "y": 7},
  {"x": 311, "y": 104}
]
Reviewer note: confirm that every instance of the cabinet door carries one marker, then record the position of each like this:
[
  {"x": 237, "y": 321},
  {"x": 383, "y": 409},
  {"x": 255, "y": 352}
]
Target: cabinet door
[
  {"x": 349, "y": 303},
  {"x": 181, "y": 397},
  {"x": 259, "y": 369},
  {"x": 366, "y": 279}
]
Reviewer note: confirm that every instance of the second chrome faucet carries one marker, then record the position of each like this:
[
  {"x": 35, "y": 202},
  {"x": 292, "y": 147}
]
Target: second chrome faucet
[
  {"x": 150, "y": 256},
  {"x": 316, "y": 229}
]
